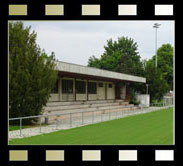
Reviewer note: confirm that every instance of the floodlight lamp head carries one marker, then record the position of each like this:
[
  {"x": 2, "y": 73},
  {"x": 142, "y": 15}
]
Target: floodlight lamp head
[{"x": 156, "y": 25}]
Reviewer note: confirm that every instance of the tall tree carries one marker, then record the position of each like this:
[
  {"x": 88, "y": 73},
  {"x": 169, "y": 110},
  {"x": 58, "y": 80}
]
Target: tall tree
[
  {"x": 158, "y": 86},
  {"x": 119, "y": 56},
  {"x": 165, "y": 63},
  {"x": 160, "y": 79},
  {"x": 32, "y": 73}
]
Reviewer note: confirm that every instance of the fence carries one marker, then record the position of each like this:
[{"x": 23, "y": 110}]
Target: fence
[
  {"x": 41, "y": 124},
  {"x": 168, "y": 100}
]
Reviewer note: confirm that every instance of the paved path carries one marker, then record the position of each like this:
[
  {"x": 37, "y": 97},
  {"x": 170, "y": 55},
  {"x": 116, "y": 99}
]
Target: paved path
[{"x": 78, "y": 121}]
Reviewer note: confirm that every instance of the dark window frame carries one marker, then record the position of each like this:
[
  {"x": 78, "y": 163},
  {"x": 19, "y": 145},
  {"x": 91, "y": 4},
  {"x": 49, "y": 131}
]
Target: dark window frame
[
  {"x": 80, "y": 87},
  {"x": 92, "y": 88},
  {"x": 110, "y": 86},
  {"x": 67, "y": 86}
]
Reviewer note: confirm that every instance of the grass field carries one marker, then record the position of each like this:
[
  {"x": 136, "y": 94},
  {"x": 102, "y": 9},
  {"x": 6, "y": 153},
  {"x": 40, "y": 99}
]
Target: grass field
[
  {"x": 17, "y": 127},
  {"x": 11, "y": 128},
  {"x": 150, "y": 128}
]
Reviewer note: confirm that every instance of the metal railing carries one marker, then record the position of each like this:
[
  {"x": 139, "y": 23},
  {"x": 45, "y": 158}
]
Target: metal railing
[{"x": 53, "y": 122}]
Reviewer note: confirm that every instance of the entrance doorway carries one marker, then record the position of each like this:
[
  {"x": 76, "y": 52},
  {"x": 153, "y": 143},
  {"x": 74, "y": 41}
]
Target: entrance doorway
[
  {"x": 105, "y": 91},
  {"x": 117, "y": 92}
]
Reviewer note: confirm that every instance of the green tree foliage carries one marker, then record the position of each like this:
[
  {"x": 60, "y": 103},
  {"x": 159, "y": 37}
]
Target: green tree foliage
[
  {"x": 158, "y": 86},
  {"x": 119, "y": 56},
  {"x": 31, "y": 72},
  {"x": 165, "y": 63},
  {"x": 160, "y": 79}
]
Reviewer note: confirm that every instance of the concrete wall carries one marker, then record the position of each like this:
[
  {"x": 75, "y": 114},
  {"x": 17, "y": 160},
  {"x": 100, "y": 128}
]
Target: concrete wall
[
  {"x": 54, "y": 97},
  {"x": 144, "y": 99},
  {"x": 71, "y": 97},
  {"x": 74, "y": 68},
  {"x": 92, "y": 97}
]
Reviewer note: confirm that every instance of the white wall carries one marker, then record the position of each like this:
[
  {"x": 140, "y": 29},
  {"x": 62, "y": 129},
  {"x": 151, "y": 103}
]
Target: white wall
[
  {"x": 144, "y": 99},
  {"x": 54, "y": 97}
]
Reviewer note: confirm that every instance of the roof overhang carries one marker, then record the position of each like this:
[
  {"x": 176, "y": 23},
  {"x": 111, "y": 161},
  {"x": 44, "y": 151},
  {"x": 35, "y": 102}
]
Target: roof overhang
[{"x": 74, "y": 70}]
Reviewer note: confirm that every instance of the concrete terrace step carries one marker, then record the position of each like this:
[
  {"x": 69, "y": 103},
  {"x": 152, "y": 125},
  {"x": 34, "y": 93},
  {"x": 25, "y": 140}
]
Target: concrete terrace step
[
  {"x": 78, "y": 113},
  {"x": 103, "y": 101},
  {"x": 68, "y": 107},
  {"x": 61, "y": 103},
  {"x": 88, "y": 109}
]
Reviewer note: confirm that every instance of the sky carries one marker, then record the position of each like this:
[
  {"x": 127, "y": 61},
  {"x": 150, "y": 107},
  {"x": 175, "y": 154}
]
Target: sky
[{"x": 76, "y": 41}]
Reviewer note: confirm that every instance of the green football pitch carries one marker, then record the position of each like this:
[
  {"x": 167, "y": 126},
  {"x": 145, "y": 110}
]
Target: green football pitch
[{"x": 153, "y": 128}]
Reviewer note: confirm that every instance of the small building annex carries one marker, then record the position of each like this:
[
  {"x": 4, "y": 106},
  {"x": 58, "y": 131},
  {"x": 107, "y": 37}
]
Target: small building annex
[{"x": 77, "y": 82}]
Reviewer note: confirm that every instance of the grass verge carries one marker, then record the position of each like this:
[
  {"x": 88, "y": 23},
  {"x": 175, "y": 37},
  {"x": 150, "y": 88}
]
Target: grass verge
[{"x": 155, "y": 128}]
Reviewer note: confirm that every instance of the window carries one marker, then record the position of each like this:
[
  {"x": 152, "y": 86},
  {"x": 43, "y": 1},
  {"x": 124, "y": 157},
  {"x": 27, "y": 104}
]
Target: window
[
  {"x": 81, "y": 87},
  {"x": 100, "y": 84},
  {"x": 55, "y": 89},
  {"x": 110, "y": 85},
  {"x": 67, "y": 86},
  {"x": 92, "y": 88}
]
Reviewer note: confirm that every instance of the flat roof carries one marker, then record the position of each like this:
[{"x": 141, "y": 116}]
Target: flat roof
[{"x": 91, "y": 71}]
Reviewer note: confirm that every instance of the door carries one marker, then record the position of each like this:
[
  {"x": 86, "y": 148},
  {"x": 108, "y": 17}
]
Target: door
[
  {"x": 105, "y": 91},
  {"x": 117, "y": 92},
  {"x": 101, "y": 91}
]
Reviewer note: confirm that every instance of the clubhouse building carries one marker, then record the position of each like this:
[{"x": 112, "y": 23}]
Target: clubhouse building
[{"x": 82, "y": 83}]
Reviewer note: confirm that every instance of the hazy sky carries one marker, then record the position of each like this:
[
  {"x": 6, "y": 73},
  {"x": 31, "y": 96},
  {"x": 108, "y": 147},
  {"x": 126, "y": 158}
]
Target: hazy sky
[{"x": 76, "y": 41}]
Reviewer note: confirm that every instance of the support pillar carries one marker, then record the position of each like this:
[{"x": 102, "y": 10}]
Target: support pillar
[
  {"x": 60, "y": 89},
  {"x": 87, "y": 89},
  {"x": 74, "y": 89}
]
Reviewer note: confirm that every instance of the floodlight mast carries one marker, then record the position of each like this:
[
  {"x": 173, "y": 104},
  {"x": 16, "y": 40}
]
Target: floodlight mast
[
  {"x": 156, "y": 26},
  {"x": 147, "y": 88}
]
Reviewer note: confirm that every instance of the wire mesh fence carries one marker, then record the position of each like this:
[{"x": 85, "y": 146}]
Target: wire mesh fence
[{"x": 18, "y": 127}]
